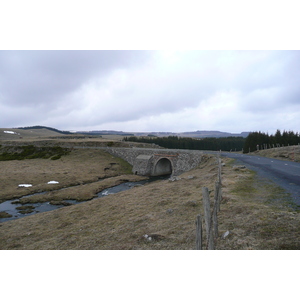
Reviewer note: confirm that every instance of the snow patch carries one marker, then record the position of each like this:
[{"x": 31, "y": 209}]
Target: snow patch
[
  {"x": 25, "y": 185},
  {"x": 10, "y": 132},
  {"x": 53, "y": 182}
]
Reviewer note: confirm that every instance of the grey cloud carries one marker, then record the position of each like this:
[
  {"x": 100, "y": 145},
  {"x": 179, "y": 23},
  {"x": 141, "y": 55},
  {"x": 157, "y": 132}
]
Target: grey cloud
[
  {"x": 261, "y": 79},
  {"x": 77, "y": 89},
  {"x": 28, "y": 78}
]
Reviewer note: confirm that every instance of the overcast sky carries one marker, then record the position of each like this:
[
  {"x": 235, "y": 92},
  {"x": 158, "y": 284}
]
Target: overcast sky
[{"x": 175, "y": 91}]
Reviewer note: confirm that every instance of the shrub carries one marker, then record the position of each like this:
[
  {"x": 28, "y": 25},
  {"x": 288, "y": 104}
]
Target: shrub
[{"x": 32, "y": 152}]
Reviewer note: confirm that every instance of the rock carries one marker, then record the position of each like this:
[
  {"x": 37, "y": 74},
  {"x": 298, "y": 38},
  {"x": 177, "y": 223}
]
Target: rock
[
  {"x": 170, "y": 211},
  {"x": 225, "y": 234},
  {"x": 190, "y": 177},
  {"x": 147, "y": 237},
  {"x": 153, "y": 237},
  {"x": 156, "y": 237},
  {"x": 174, "y": 178},
  {"x": 53, "y": 202},
  {"x": 66, "y": 203},
  {"x": 238, "y": 167}
]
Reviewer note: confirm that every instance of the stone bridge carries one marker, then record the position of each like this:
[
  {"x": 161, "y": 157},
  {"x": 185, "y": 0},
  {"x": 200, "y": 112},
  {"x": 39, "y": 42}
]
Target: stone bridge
[{"x": 156, "y": 162}]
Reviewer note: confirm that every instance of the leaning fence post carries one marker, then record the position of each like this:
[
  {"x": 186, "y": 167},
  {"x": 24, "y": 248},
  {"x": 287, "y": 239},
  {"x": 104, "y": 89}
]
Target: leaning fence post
[
  {"x": 217, "y": 195},
  {"x": 220, "y": 170},
  {"x": 199, "y": 233},
  {"x": 207, "y": 215},
  {"x": 215, "y": 219}
]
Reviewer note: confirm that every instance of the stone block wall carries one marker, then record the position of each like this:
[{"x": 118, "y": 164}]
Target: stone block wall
[{"x": 143, "y": 160}]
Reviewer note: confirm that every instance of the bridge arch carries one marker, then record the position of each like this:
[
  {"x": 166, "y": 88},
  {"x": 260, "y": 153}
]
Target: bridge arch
[{"x": 163, "y": 166}]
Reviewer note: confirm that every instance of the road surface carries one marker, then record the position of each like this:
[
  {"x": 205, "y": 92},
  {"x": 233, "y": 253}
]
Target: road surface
[{"x": 286, "y": 174}]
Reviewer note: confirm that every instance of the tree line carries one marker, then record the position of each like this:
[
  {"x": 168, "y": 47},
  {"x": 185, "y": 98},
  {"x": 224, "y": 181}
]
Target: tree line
[
  {"x": 175, "y": 142},
  {"x": 260, "y": 140}
]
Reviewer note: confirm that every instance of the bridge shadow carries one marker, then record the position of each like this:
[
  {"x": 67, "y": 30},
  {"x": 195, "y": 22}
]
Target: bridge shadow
[{"x": 163, "y": 167}]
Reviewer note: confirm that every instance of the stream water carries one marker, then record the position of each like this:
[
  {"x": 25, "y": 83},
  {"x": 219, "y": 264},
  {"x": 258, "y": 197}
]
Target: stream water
[{"x": 33, "y": 208}]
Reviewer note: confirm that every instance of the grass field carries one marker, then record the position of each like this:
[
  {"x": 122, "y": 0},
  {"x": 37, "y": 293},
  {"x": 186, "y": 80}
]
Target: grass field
[
  {"x": 165, "y": 210},
  {"x": 256, "y": 213},
  {"x": 82, "y": 167}
]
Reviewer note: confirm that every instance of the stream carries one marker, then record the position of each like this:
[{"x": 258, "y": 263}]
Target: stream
[{"x": 33, "y": 208}]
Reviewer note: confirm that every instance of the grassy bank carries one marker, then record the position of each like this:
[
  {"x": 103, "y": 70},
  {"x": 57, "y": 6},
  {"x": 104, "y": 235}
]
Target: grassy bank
[
  {"x": 80, "y": 166},
  {"x": 289, "y": 153},
  {"x": 259, "y": 214}
]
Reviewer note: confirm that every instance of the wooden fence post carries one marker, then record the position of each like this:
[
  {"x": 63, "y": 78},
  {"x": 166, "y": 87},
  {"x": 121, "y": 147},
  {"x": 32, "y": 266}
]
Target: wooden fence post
[
  {"x": 219, "y": 169},
  {"x": 217, "y": 195},
  {"x": 207, "y": 215},
  {"x": 215, "y": 222},
  {"x": 199, "y": 233}
]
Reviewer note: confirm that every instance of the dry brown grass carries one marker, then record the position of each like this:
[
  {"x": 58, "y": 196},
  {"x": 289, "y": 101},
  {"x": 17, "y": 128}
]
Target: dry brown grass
[
  {"x": 258, "y": 214},
  {"x": 82, "y": 166},
  {"x": 117, "y": 221},
  {"x": 165, "y": 210},
  {"x": 290, "y": 153}
]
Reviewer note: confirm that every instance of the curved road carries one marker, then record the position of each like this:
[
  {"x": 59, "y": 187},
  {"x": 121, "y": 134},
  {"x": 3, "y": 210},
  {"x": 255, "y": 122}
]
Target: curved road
[{"x": 284, "y": 173}]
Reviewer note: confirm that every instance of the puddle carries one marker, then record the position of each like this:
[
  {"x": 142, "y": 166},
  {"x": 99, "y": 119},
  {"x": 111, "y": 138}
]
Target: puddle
[{"x": 11, "y": 208}]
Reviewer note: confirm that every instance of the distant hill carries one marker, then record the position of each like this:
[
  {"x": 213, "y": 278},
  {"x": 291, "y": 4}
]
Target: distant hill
[
  {"x": 44, "y": 131},
  {"x": 45, "y": 127},
  {"x": 9, "y": 134},
  {"x": 194, "y": 134},
  {"x": 104, "y": 132},
  {"x": 205, "y": 133}
]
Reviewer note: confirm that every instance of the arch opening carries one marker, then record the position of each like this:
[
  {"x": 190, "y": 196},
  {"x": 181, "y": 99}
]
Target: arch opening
[{"x": 163, "y": 167}]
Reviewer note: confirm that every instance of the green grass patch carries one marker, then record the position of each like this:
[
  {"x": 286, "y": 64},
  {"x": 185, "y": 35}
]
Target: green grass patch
[
  {"x": 279, "y": 198},
  {"x": 32, "y": 152},
  {"x": 125, "y": 166},
  {"x": 246, "y": 186},
  {"x": 4, "y": 214}
]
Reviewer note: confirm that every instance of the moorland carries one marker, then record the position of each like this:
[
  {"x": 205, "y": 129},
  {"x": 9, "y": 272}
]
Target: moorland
[{"x": 164, "y": 209}]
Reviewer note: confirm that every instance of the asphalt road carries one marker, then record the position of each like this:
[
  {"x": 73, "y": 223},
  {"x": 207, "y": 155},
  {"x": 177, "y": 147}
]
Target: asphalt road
[{"x": 286, "y": 174}]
